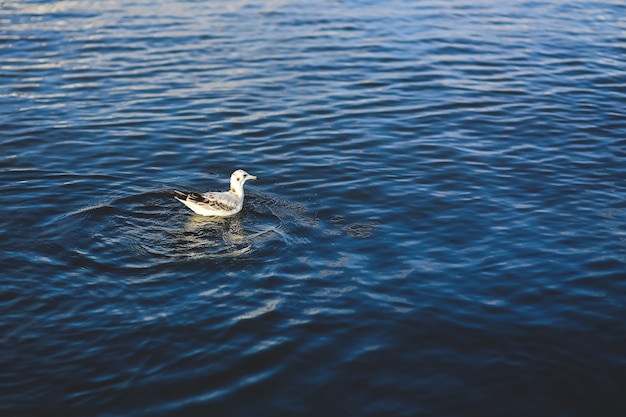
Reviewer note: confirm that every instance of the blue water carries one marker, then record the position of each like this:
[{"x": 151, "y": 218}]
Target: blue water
[{"x": 438, "y": 228}]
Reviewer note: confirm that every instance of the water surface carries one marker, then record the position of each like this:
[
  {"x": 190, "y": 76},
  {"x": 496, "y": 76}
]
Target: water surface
[{"x": 438, "y": 228}]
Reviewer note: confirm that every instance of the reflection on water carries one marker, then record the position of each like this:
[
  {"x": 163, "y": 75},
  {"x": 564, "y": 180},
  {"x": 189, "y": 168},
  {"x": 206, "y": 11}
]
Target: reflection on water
[{"x": 210, "y": 237}]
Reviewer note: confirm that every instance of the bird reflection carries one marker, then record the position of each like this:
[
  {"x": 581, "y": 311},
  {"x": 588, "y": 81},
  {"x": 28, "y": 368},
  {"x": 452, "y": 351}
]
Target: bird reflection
[{"x": 212, "y": 236}]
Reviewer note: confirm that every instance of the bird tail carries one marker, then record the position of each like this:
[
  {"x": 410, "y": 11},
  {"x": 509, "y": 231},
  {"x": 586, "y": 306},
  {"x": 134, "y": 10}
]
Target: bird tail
[{"x": 179, "y": 195}]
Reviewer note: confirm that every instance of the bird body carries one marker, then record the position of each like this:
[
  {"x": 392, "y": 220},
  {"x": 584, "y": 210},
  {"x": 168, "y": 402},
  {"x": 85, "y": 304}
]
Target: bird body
[{"x": 221, "y": 203}]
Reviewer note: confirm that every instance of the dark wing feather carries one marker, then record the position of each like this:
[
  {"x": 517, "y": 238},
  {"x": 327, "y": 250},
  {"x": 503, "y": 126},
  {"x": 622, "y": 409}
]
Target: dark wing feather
[
  {"x": 179, "y": 194},
  {"x": 213, "y": 201},
  {"x": 197, "y": 197}
]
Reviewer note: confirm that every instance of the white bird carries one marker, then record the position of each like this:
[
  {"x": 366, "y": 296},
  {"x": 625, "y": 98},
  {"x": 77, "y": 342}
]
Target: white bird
[{"x": 221, "y": 204}]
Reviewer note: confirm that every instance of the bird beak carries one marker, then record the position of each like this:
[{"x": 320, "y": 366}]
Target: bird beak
[{"x": 251, "y": 177}]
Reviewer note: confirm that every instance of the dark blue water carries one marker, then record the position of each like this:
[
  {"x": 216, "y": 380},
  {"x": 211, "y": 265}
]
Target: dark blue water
[{"x": 438, "y": 228}]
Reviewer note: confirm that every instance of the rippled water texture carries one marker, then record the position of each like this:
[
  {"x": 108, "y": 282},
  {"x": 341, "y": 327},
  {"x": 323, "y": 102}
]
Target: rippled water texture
[{"x": 438, "y": 228}]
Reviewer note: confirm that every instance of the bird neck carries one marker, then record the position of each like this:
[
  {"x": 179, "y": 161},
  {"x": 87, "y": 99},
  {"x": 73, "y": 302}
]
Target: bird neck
[{"x": 236, "y": 189}]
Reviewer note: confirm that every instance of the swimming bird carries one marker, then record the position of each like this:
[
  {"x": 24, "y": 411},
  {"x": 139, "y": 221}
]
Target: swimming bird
[{"x": 221, "y": 204}]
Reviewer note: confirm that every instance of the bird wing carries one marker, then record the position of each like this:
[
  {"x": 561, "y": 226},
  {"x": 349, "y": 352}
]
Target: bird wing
[{"x": 216, "y": 201}]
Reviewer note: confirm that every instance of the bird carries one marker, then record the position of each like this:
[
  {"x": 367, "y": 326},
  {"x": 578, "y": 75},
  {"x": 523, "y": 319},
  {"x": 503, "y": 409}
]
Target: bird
[{"x": 218, "y": 203}]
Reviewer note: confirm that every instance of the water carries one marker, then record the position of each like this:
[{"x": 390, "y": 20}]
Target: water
[{"x": 438, "y": 228}]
